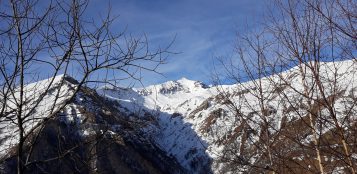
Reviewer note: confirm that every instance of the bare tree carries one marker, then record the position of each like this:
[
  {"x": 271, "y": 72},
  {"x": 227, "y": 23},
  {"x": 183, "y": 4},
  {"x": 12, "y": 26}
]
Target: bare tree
[
  {"x": 310, "y": 39},
  {"x": 45, "y": 39},
  {"x": 312, "y": 36}
]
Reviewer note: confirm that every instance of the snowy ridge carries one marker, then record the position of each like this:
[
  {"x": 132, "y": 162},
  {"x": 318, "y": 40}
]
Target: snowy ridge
[
  {"x": 169, "y": 102},
  {"x": 196, "y": 125},
  {"x": 171, "y": 87},
  {"x": 90, "y": 126},
  {"x": 192, "y": 124},
  {"x": 32, "y": 92}
]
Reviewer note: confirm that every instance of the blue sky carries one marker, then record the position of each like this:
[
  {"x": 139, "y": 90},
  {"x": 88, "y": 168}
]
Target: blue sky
[{"x": 204, "y": 29}]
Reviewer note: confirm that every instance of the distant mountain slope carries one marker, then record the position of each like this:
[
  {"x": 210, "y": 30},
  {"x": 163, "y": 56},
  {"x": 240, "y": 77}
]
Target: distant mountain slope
[
  {"x": 263, "y": 126},
  {"x": 90, "y": 135},
  {"x": 167, "y": 103},
  {"x": 226, "y": 123}
]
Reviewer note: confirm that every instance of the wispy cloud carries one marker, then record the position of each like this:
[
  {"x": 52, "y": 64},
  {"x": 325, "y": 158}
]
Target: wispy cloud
[{"x": 203, "y": 29}]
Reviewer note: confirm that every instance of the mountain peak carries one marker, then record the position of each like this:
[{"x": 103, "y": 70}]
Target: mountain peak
[
  {"x": 182, "y": 79},
  {"x": 191, "y": 83},
  {"x": 170, "y": 87}
]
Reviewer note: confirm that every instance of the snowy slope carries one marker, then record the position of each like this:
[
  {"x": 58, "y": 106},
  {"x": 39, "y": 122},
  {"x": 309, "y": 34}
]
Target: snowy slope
[
  {"x": 217, "y": 129},
  {"x": 89, "y": 134},
  {"x": 196, "y": 125},
  {"x": 169, "y": 103},
  {"x": 38, "y": 106}
]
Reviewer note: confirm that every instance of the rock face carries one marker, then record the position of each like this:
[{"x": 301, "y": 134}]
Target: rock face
[{"x": 91, "y": 136}]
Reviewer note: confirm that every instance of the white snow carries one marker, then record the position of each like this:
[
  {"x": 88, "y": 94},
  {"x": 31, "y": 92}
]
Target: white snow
[
  {"x": 180, "y": 130},
  {"x": 191, "y": 120},
  {"x": 33, "y": 94}
]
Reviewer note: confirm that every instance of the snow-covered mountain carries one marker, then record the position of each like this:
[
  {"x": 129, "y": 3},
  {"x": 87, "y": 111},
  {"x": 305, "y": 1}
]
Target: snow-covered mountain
[
  {"x": 81, "y": 133},
  {"x": 200, "y": 126},
  {"x": 184, "y": 126}
]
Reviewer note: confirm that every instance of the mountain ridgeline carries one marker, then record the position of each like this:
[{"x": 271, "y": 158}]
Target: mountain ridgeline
[{"x": 269, "y": 125}]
